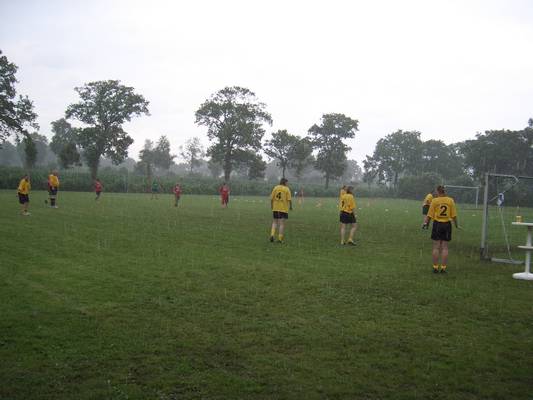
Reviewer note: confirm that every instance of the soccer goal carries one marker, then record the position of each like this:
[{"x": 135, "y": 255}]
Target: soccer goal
[
  {"x": 466, "y": 195},
  {"x": 506, "y": 199}
]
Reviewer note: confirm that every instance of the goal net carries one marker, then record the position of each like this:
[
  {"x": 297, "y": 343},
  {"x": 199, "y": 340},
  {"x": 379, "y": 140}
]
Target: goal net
[
  {"x": 506, "y": 199},
  {"x": 467, "y": 197}
]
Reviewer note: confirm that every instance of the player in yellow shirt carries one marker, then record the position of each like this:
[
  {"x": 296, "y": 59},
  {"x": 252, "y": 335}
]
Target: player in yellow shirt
[
  {"x": 23, "y": 192},
  {"x": 442, "y": 211},
  {"x": 281, "y": 203},
  {"x": 425, "y": 206},
  {"x": 53, "y": 187},
  {"x": 347, "y": 215},
  {"x": 342, "y": 193}
]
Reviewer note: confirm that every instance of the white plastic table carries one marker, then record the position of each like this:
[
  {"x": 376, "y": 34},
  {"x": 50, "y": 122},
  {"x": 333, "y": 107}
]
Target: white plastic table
[{"x": 526, "y": 275}]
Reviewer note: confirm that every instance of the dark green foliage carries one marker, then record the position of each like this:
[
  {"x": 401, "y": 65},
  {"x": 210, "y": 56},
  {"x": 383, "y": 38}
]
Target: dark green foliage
[
  {"x": 65, "y": 143},
  {"x": 417, "y": 187},
  {"x": 16, "y": 116},
  {"x": 30, "y": 152},
  {"x": 281, "y": 148},
  {"x": 105, "y": 106},
  {"x": 234, "y": 118},
  {"x": 328, "y": 140},
  {"x": 192, "y": 153}
]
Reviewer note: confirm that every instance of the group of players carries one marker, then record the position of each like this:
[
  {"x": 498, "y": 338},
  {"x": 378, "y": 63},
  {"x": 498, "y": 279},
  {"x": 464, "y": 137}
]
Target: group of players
[{"x": 437, "y": 206}]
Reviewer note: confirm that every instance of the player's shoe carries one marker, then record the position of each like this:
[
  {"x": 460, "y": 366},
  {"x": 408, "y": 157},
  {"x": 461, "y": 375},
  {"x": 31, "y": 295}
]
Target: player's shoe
[
  {"x": 351, "y": 242},
  {"x": 435, "y": 271},
  {"x": 271, "y": 239},
  {"x": 343, "y": 243},
  {"x": 443, "y": 271},
  {"x": 280, "y": 241}
]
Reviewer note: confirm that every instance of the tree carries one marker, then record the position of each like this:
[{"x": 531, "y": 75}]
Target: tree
[
  {"x": 215, "y": 168},
  {"x": 441, "y": 159},
  {"x": 146, "y": 160},
  {"x": 30, "y": 152},
  {"x": 328, "y": 140},
  {"x": 105, "y": 106},
  {"x": 162, "y": 157},
  {"x": 302, "y": 157},
  {"x": 281, "y": 148},
  {"x": 233, "y": 117},
  {"x": 353, "y": 172},
  {"x": 192, "y": 152},
  {"x": 396, "y": 154},
  {"x": 16, "y": 116},
  {"x": 64, "y": 143},
  {"x": 256, "y": 168}
]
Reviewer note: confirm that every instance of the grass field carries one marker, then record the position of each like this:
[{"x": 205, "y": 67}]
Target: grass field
[{"x": 131, "y": 298}]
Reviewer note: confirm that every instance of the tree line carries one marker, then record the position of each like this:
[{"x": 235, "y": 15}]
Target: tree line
[{"x": 235, "y": 122}]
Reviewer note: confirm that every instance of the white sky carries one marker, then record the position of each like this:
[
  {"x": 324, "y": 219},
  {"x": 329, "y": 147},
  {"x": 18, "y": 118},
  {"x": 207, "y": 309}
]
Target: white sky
[{"x": 446, "y": 68}]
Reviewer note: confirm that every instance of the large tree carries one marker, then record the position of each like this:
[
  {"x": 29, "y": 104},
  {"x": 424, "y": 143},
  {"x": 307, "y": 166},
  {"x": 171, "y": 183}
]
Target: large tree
[
  {"x": 281, "y": 148},
  {"x": 192, "y": 152},
  {"x": 16, "y": 115},
  {"x": 396, "y": 154},
  {"x": 155, "y": 157},
  {"x": 328, "y": 138},
  {"x": 302, "y": 157},
  {"x": 234, "y": 119},
  {"x": 65, "y": 143},
  {"x": 104, "y": 107}
]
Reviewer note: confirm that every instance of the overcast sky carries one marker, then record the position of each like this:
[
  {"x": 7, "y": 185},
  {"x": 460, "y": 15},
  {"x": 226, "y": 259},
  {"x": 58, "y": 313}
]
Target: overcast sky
[{"x": 448, "y": 68}]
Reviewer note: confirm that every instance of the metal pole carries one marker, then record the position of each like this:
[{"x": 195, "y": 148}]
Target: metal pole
[{"x": 484, "y": 252}]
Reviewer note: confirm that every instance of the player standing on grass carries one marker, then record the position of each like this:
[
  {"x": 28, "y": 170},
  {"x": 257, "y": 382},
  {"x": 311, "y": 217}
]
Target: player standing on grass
[
  {"x": 98, "y": 187},
  {"x": 155, "y": 189},
  {"x": 425, "y": 207},
  {"x": 442, "y": 211},
  {"x": 347, "y": 217},
  {"x": 224, "y": 194},
  {"x": 23, "y": 192},
  {"x": 53, "y": 187},
  {"x": 280, "y": 203},
  {"x": 177, "y": 194}
]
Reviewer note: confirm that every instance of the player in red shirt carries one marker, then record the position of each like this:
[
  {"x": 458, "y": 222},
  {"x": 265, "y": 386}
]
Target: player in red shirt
[
  {"x": 177, "y": 193},
  {"x": 98, "y": 187},
  {"x": 224, "y": 195}
]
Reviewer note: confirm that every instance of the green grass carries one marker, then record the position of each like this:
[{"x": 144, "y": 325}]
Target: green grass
[{"x": 131, "y": 298}]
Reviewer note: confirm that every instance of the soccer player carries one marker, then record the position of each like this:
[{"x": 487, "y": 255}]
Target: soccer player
[
  {"x": 23, "y": 192},
  {"x": 280, "y": 203},
  {"x": 177, "y": 194},
  {"x": 347, "y": 216},
  {"x": 442, "y": 211},
  {"x": 155, "y": 189},
  {"x": 342, "y": 193},
  {"x": 98, "y": 187},
  {"x": 425, "y": 207},
  {"x": 224, "y": 195},
  {"x": 53, "y": 187}
]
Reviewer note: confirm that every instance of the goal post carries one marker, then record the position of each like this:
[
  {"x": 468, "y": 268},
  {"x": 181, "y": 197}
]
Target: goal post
[{"x": 498, "y": 187}]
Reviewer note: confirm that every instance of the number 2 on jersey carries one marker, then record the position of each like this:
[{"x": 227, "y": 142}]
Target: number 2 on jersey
[{"x": 443, "y": 210}]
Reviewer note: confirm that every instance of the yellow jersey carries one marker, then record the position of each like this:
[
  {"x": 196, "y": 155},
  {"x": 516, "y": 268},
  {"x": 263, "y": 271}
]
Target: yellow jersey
[
  {"x": 53, "y": 180},
  {"x": 281, "y": 198},
  {"x": 442, "y": 209},
  {"x": 24, "y": 186},
  {"x": 347, "y": 203},
  {"x": 428, "y": 199},
  {"x": 342, "y": 193}
]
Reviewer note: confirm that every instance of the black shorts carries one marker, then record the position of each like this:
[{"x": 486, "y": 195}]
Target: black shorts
[
  {"x": 52, "y": 191},
  {"x": 441, "y": 231},
  {"x": 24, "y": 198},
  {"x": 425, "y": 209},
  {"x": 98, "y": 193},
  {"x": 280, "y": 215},
  {"x": 347, "y": 218}
]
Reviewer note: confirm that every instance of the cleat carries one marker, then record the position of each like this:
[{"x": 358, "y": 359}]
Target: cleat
[
  {"x": 343, "y": 243},
  {"x": 443, "y": 271},
  {"x": 351, "y": 242},
  {"x": 271, "y": 239},
  {"x": 435, "y": 271},
  {"x": 280, "y": 241}
]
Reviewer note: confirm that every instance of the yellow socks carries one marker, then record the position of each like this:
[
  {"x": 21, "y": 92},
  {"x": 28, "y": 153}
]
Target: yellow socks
[{"x": 272, "y": 231}]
